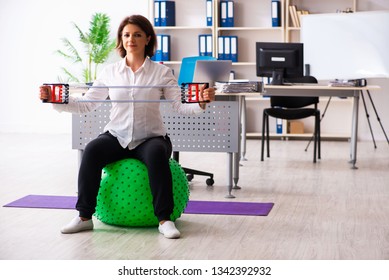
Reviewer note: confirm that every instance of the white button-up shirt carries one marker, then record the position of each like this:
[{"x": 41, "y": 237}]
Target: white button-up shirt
[{"x": 133, "y": 122}]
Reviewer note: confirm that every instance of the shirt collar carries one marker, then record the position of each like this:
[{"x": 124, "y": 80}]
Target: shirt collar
[{"x": 145, "y": 66}]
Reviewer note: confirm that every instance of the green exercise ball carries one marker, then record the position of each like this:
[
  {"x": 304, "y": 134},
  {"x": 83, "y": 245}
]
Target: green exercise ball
[{"x": 125, "y": 199}]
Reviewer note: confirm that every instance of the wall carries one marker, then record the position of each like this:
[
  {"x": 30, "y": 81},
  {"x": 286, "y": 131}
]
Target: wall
[{"x": 30, "y": 33}]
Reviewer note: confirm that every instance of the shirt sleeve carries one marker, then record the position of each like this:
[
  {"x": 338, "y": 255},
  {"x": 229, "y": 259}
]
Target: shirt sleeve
[
  {"x": 79, "y": 104},
  {"x": 174, "y": 93}
]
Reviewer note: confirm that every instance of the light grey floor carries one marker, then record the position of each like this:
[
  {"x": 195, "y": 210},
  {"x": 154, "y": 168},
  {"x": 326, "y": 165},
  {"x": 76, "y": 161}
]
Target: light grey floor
[{"x": 322, "y": 211}]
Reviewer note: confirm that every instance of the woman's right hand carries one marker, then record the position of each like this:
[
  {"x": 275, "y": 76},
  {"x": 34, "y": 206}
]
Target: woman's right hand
[{"x": 44, "y": 93}]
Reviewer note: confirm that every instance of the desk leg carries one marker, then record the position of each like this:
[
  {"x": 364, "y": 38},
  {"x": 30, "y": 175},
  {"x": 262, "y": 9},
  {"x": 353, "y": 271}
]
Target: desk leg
[
  {"x": 236, "y": 166},
  {"x": 229, "y": 175},
  {"x": 236, "y": 157},
  {"x": 354, "y": 131},
  {"x": 80, "y": 153},
  {"x": 242, "y": 108}
]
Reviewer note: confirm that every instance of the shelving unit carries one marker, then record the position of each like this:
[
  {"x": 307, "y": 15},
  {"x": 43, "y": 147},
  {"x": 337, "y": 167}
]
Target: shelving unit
[
  {"x": 190, "y": 23},
  {"x": 252, "y": 23}
]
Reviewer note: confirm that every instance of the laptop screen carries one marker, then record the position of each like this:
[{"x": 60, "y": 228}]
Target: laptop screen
[{"x": 211, "y": 71}]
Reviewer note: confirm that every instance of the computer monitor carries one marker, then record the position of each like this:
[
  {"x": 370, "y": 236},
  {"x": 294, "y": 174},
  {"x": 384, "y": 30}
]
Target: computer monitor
[{"x": 279, "y": 61}]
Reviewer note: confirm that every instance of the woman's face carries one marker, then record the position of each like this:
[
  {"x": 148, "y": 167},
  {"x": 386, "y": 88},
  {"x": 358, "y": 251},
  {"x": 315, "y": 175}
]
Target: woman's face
[{"x": 134, "y": 40}]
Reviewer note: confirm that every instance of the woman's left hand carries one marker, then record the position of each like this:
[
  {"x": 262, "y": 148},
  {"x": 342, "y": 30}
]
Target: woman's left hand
[{"x": 207, "y": 94}]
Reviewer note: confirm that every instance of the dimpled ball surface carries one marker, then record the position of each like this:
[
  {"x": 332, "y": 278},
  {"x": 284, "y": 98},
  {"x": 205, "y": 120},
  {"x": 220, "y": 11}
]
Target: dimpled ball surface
[{"x": 125, "y": 199}]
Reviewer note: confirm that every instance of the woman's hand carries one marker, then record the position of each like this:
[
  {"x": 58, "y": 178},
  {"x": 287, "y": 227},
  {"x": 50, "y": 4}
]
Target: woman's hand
[
  {"x": 206, "y": 94},
  {"x": 44, "y": 93}
]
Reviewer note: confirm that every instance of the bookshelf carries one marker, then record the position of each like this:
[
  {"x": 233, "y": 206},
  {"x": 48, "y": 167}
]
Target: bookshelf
[
  {"x": 190, "y": 23},
  {"x": 252, "y": 23}
]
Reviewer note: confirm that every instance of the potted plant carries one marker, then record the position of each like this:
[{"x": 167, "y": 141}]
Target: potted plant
[{"x": 97, "y": 45}]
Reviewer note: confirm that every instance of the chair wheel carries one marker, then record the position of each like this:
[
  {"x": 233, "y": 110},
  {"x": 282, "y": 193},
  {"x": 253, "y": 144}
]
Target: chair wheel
[
  {"x": 209, "y": 182},
  {"x": 189, "y": 177}
]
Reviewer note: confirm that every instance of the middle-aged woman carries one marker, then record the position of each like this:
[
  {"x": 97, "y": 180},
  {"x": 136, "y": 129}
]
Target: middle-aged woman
[{"x": 135, "y": 129}]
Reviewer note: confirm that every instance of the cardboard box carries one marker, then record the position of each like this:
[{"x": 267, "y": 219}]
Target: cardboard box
[{"x": 295, "y": 127}]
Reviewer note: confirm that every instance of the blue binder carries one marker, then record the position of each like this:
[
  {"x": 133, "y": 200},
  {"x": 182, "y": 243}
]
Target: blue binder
[
  {"x": 165, "y": 48},
  {"x": 230, "y": 14},
  {"x": 279, "y": 126},
  {"x": 275, "y": 13},
  {"x": 234, "y": 48},
  {"x": 202, "y": 45},
  {"x": 158, "y": 52},
  {"x": 157, "y": 13},
  {"x": 168, "y": 13},
  {"x": 209, "y": 49},
  {"x": 220, "y": 54},
  {"x": 227, "y": 48},
  {"x": 209, "y": 11},
  {"x": 223, "y": 13}
]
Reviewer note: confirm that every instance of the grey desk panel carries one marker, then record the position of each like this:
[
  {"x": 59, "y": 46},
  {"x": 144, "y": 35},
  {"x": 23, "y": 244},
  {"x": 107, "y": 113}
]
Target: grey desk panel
[{"x": 214, "y": 130}]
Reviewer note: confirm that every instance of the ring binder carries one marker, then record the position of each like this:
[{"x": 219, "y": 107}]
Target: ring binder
[{"x": 276, "y": 13}]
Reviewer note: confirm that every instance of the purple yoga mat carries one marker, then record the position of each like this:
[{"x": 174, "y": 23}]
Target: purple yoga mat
[
  {"x": 228, "y": 208},
  {"x": 193, "y": 207}
]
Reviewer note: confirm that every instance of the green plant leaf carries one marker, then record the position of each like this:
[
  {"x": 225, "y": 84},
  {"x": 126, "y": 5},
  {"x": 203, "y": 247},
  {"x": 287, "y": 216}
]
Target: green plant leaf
[
  {"x": 97, "y": 46},
  {"x": 70, "y": 76}
]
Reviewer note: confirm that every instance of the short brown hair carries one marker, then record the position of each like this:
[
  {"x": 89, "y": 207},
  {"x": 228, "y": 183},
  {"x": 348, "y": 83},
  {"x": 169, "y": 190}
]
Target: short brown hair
[{"x": 144, "y": 24}]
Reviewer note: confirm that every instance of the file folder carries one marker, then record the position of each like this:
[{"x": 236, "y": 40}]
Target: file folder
[
  {"x": 157, "y": 13},
  {"x": 230, "y": 14},
  {"x": 223, "y": 13},
  {"x": 279, "y": 126},
  {"x": 209, "y": 46},
  {"x": 209, "y": 11},
  {"x": 220, "y": 54},
  {"x": 227, "y": 48},
  {"x": 276, "y": 13},
  {"x": 234, "y": 48},
  {"x": 165, "y": 48},
  {"x": 158, "y": 52},
  {"x": 168, "y": 13},
  {"x": 202, "y": 45}
]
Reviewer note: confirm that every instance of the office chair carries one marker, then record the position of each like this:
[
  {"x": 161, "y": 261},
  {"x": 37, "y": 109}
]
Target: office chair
[
  {"x": 292, "y": 108},
  {"x": 186, "y": 76}
]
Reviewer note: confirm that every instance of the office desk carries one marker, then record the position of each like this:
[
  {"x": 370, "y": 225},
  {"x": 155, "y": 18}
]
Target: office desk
[{"x": 320, "y": 90}]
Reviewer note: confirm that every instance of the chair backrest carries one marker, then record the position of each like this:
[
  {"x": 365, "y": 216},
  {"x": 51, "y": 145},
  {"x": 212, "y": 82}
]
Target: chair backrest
[
  {"x": 293, "y": 102},
  {"x": 188, "y": 66}
]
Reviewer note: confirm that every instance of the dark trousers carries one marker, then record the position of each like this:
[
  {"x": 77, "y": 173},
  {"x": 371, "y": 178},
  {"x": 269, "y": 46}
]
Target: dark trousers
[{"x": 105, "y": 149}]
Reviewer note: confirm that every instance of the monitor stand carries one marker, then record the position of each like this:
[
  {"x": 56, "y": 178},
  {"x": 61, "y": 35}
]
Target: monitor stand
[{"x": 277, "y": 77}]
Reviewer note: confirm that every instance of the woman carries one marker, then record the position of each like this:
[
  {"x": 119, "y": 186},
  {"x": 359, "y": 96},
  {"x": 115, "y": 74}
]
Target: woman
[{"x": 135, "y": 129}]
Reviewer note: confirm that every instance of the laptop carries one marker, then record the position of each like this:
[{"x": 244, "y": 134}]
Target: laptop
[{"x": 211, "y": 71}]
